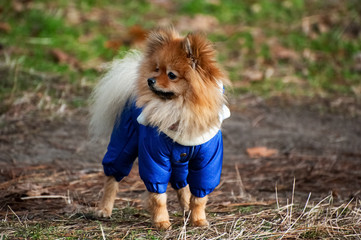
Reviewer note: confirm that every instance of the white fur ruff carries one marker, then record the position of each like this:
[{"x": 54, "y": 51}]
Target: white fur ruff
[{"x": 112, "y": 92}]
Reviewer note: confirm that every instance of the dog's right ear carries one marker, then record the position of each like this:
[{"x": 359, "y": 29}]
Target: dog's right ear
[{"x": 158, "y": 38}]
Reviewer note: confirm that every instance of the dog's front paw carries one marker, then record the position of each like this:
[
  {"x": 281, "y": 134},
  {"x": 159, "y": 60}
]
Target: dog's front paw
[
  {"x": 103, "y": 212},
  {"x": 164, "y": 225},
  {"x": 200, "y": 223}
]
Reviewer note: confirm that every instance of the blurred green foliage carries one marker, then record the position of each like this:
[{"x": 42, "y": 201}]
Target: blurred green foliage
[{"x": 319, "y": 40}]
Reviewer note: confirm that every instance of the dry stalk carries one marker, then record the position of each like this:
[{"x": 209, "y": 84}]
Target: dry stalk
[
  {"x": 101, "y": 229},
  {"x": 183, "y": 231},
  {"x": 278, "y": 204},
  {"x": 242, "y": 189},
  {"x": 16, "y": 215}
]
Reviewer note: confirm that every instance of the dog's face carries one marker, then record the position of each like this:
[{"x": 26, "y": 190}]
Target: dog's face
[
  {"x": 165, "y": 66},
  {"x": 176, "y": 66},
  {"x": 165, "y": 71}
]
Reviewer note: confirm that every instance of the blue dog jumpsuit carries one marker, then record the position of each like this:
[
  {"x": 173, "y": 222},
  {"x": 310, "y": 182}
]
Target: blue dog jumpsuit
[{"x": 162, "y": 160}]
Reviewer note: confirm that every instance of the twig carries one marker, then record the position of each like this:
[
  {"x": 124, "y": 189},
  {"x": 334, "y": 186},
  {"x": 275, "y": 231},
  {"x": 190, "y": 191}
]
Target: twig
[
  {"x": 344, "y": 209},
  {"x": 183, "y": 232},
  {"x": 239, "y": 234},
  {"x": 243, "y": 204},
  {"x": 293, "y": 197},
  {"x": 294, "y": 223},
  {"x": 103, "y": 235},
  {"x": 278, "y": 204},
  {"x": 48, "y": 197},
  {"x": 126, "y": 234},
  {"x": 68, "y": 200},
  {"x": 218, "y": 236},
  {"x": 257, "y": 120},
  {"x": 15, "y": 215},
  {"x": 6, "y": 216},
  {"x": 242, "y": 189},
  {"x": 318, "y": 204}
]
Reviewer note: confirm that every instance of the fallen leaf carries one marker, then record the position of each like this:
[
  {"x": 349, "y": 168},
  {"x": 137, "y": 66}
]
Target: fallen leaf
[
  {"x": 269, "y": 72},
  {"x": 314, "y": 25},
  {"x": 18, "y": 6},
  {"x": 113, "y": 44},
  {"x": 64, "y": 58},
  {"x": 72, "y": 15},
  {"x": 357, "y": 62},
  {"x": 165, "y": 4},
  {"x": 261, "y": 152},
  {"x": 94, "y": 63},
  {"x": 280, "y": 52},
  {"x": 292, "y": 79},
  {"x": 199, "y": 22},
  {"x": 5, "y": 27},
  {"x": 309, "y": 55},
  {"x": 137, "y": 34},
  {"x": 356, "y": 90},
  {"x": 253, "y": 75}
]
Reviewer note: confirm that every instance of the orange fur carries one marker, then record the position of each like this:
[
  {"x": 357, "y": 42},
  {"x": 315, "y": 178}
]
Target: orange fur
[
  {"x": 184, "y": 196},
  {"x": 198, "y": 213},
  {"x": 110, "y": 191},
  {"x": 158, "y": 210}
]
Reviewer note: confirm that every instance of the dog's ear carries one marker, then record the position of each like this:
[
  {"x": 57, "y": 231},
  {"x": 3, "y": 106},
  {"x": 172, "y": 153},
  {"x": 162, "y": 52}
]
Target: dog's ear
[
  {"x": 199, "y": 50},
  {"x": 159, "y": 37},
  {"x": 189, "y": 51},
  {"x": 201, "y": 55}
]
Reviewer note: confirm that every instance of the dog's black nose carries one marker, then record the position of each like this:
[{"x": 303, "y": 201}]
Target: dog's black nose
[{"x": 151, "y": 81}]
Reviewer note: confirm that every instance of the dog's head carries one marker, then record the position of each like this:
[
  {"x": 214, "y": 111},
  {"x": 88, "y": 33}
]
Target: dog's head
[
  {"x": 182, "y": 72},
  {"x": 175, "y": 66}
]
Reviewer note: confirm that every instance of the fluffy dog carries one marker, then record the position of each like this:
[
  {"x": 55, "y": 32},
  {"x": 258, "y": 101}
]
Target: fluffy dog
[{"x": 164, "y": 106}]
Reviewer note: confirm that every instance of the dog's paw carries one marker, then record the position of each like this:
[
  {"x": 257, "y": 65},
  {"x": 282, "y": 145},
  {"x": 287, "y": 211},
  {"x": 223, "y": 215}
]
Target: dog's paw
[
  {"x": 200, "y": 223},
  {"x": 164, "y": 225},
  {"x": 103, "y": 212}
]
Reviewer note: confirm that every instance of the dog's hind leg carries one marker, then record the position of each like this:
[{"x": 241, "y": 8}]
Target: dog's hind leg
[
  {"x": 110, "y": 191},
  {"x": 198, "y": 211},
  {"x": 184, "y": 197},
  {"x": 158, "y": 210}
]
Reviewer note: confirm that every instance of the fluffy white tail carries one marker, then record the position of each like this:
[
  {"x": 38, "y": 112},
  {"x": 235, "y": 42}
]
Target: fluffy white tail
[{"x": 112, "y": 92}]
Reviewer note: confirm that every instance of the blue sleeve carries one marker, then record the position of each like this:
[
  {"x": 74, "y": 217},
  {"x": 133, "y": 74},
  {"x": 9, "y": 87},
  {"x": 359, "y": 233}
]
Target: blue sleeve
[{"x": 123, "y": 146}]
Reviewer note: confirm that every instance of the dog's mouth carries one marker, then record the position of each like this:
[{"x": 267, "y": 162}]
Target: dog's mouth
[{"x": 162, "y": 94}]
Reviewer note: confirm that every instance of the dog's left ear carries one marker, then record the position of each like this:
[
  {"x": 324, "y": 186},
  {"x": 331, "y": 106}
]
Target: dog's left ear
[
  {"x": 201, "y": 55},
  {"x": 199, "y": 50},
  {"x": 189, "y": 51}
]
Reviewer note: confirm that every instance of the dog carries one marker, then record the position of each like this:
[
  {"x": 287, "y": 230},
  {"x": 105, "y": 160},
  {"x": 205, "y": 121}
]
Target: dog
[{"x": 164, "y": 105}]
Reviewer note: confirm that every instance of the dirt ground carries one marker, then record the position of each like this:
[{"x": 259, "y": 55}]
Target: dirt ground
[{"x": 46, "y": 160}]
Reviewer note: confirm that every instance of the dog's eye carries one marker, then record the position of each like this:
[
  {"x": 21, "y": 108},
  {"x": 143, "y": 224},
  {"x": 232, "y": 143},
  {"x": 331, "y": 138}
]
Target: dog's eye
[
  {"x": 156, "y": 69},
  {"x": 172, "y": 76}
]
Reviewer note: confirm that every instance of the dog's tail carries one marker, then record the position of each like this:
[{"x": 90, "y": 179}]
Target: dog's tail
[{"x": 111, "y": 94}]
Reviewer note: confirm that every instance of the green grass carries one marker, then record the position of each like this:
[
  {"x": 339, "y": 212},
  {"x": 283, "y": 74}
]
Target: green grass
[{"x": 247, "y": 34}]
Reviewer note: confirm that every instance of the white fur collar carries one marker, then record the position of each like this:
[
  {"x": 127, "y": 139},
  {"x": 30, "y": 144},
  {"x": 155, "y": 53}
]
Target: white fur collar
[{"x": 205, "y": 137}]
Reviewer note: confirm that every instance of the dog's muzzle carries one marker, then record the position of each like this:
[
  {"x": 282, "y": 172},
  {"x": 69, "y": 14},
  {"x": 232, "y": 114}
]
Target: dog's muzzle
[{"x": 160, "y": 93}]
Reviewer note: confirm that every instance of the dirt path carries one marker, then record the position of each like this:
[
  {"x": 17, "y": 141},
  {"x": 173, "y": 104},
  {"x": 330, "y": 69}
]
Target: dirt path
[{"x": 322, "y": 152}]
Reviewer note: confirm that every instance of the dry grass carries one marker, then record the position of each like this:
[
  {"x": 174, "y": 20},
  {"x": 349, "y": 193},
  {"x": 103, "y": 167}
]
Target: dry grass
[{"x": 43, "y": 203}]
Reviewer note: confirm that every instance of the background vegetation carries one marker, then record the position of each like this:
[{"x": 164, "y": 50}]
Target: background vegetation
[{"x": 54, "y": 50}]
